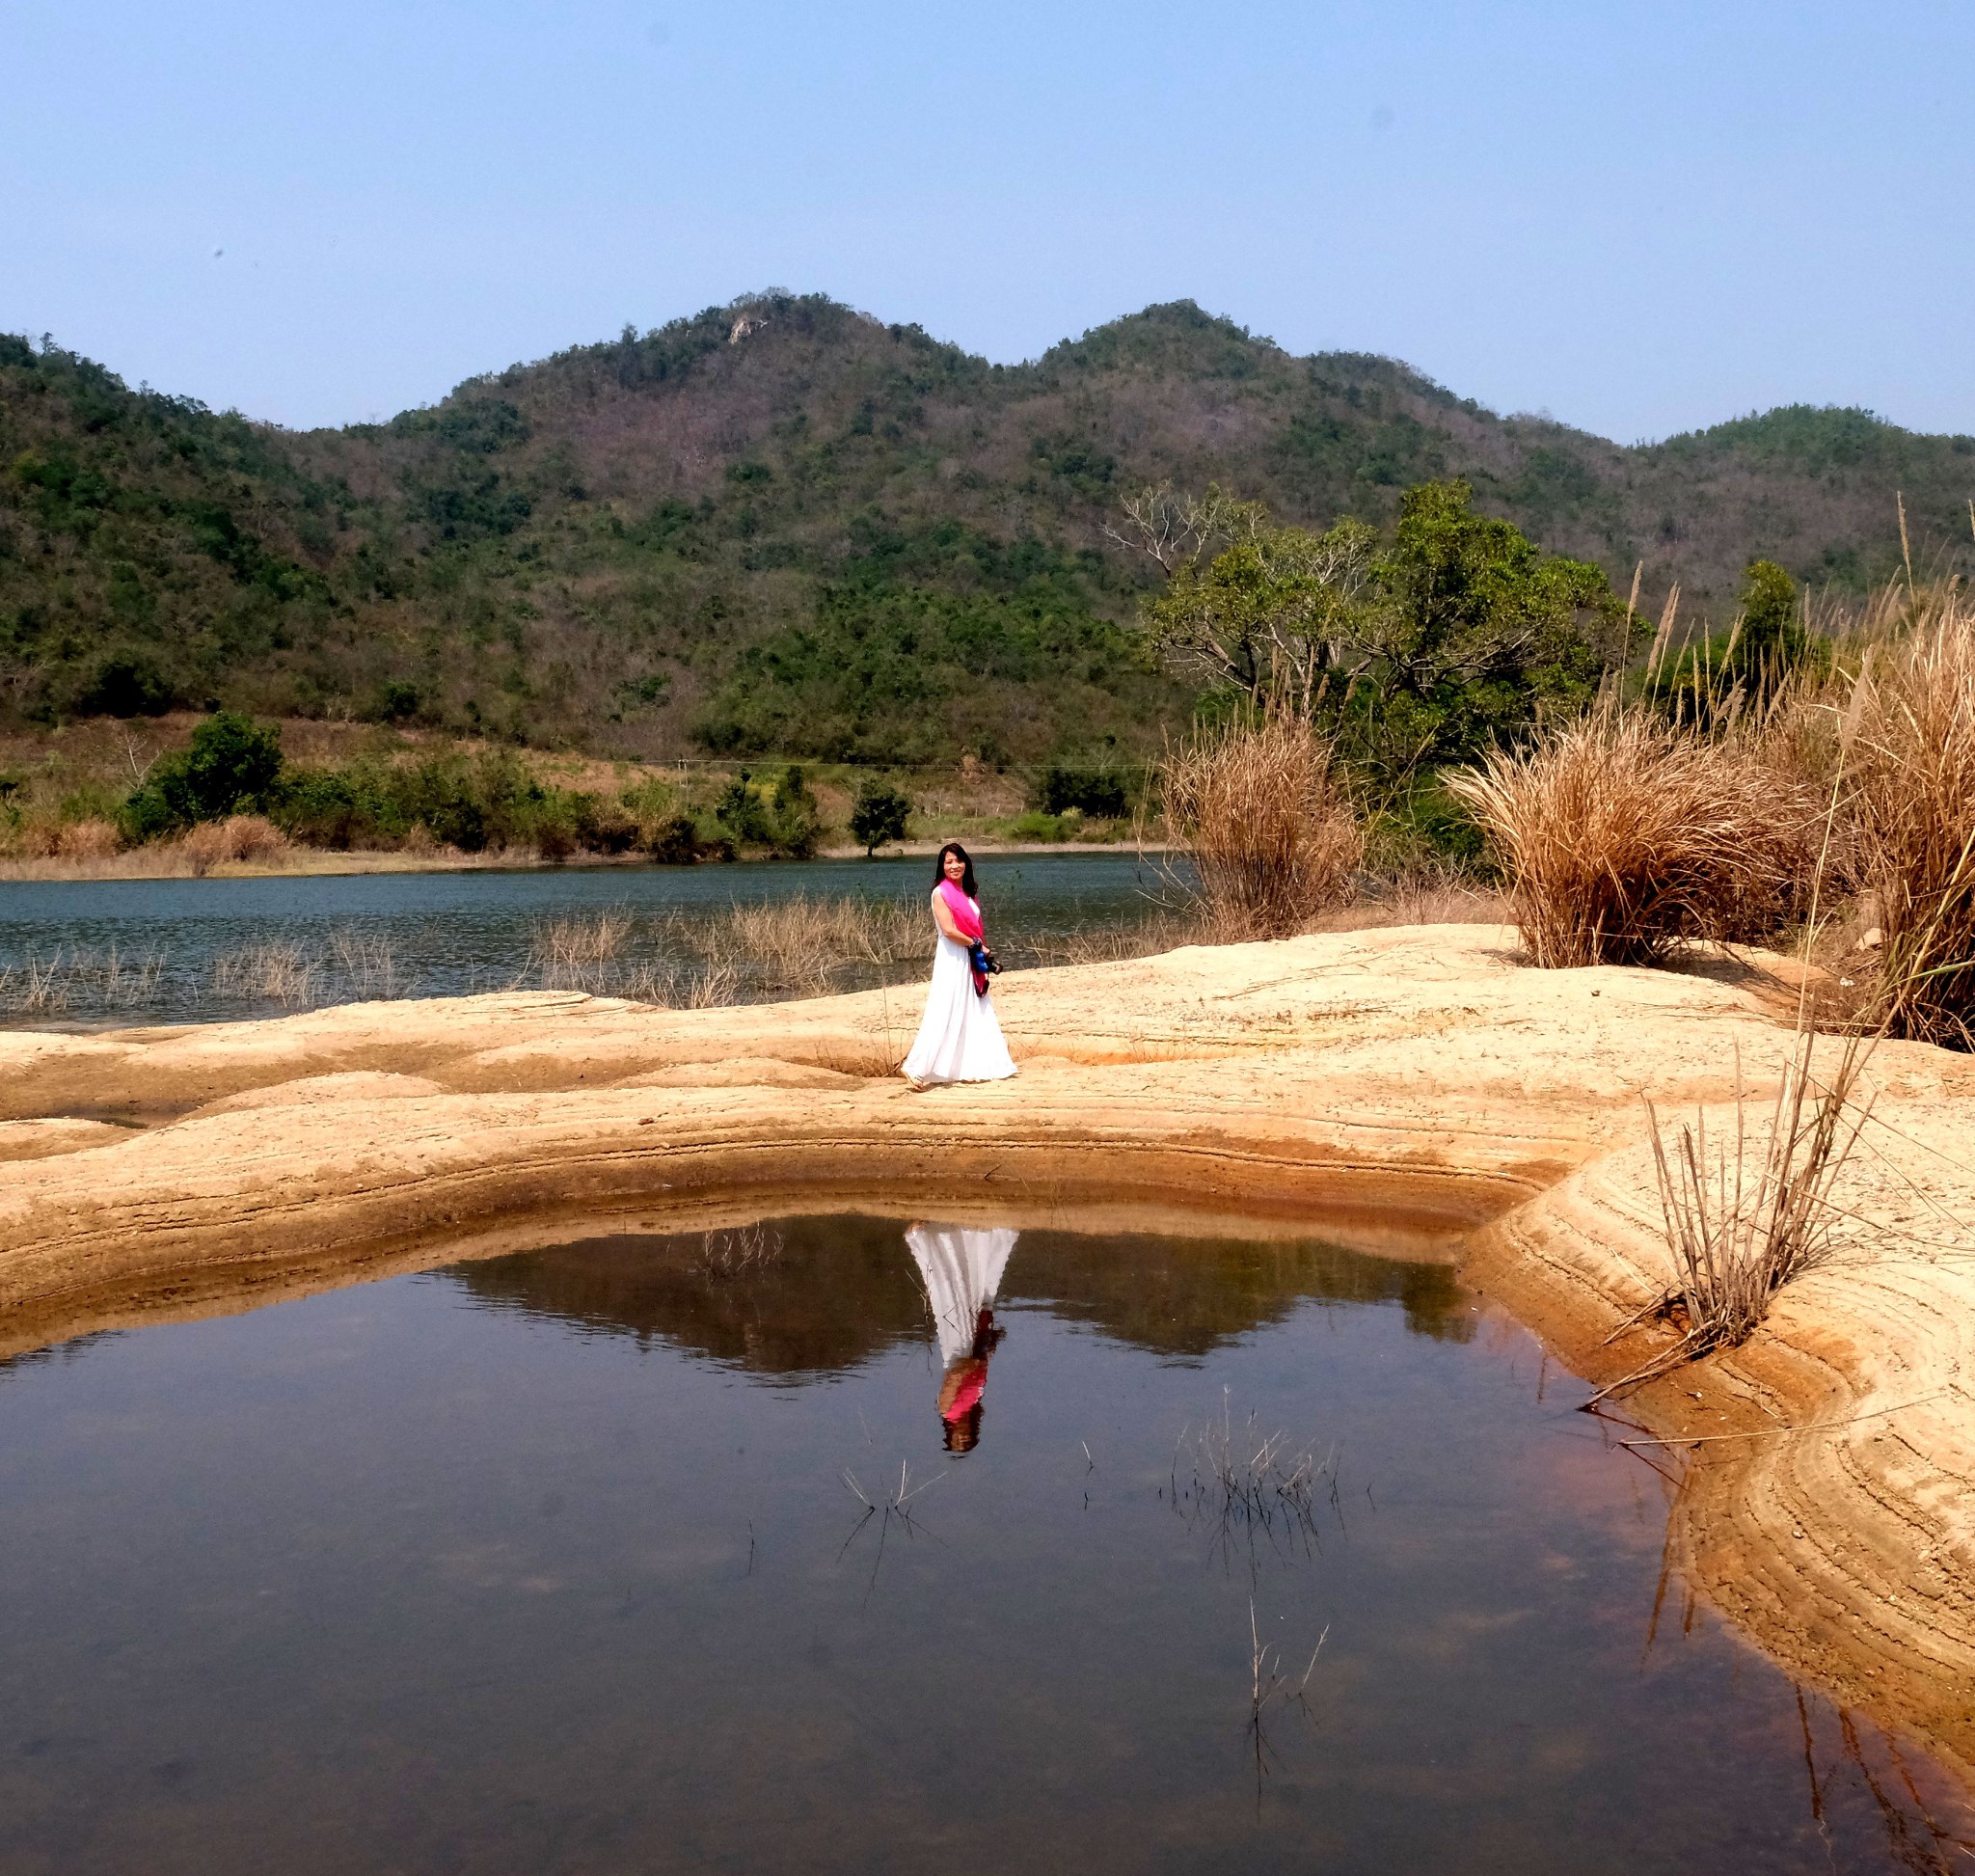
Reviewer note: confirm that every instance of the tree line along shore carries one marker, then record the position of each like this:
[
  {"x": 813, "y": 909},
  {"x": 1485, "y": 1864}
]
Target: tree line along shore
[{"x": 188, "y": 795}]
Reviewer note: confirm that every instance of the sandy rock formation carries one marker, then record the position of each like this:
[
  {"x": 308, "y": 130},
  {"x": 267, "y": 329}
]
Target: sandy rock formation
[{"x": 1391, "y": 1087}]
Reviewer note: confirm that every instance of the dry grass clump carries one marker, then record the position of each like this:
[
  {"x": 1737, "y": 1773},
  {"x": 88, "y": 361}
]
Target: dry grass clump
[
  {"x": 1270, "y": 827},
  {"x": 799, "y": 946},
  {"x": 1910, "y": 760},
  {"x": 368, "y": 959},
  {"x": 238, "y": 837},
  {"x": 1737, "y": 1236},
  {"x": 798, "y": 941},
  {"x": 276, "y": 970},
  {"x": 35, "y": 988},
  {"x": 726, "y": 1255},
  {"x": 53, "y": 986},
  {"x": 803, "y": 945},
  {"x": 1621, "y": 834},
  {"x": 586, "y": 939},
  {"x": 74, "y": 840},
  {"x": 1105, "y": 945},
  {"x": 1430, "y": 892},
  {"x": 88, "y": 840}
]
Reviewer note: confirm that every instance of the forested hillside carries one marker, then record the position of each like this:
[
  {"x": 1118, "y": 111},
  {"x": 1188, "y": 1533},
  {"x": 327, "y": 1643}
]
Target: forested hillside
[{"x": 782, "y": 526}]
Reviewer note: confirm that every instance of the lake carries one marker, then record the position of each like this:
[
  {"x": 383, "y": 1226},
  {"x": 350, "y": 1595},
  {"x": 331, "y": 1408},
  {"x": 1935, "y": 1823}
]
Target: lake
[
  {"x": 160, "y": 950},
  {"x": 831, "y": 1545}
]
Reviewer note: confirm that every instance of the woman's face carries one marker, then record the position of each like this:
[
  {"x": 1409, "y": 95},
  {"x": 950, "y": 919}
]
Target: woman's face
[{"x": 956, "y": 868}]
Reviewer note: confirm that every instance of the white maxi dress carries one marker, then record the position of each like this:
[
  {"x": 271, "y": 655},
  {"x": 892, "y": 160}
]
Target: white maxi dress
[{"x": 959, "y": 1038}]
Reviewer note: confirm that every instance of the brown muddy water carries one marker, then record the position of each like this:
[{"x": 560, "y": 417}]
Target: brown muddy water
[{"x": 820, "y": 1548}]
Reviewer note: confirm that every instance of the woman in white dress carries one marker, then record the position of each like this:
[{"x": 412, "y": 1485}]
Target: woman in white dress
[
  {"x": 959, "y": 1039},
  {"x": 961, "y": 1270}
]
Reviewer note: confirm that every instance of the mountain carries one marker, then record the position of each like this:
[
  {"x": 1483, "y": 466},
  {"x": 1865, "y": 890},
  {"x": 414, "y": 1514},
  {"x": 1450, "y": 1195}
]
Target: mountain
[{"x": 783, "y": 526}]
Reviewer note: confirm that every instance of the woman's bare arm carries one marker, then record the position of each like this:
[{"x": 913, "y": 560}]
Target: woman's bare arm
[{"x": 942, "y": 917}]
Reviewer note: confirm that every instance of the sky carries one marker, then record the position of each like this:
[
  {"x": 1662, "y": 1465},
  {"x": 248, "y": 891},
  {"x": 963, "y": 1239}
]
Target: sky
[{"x": 1639, "y": 219}]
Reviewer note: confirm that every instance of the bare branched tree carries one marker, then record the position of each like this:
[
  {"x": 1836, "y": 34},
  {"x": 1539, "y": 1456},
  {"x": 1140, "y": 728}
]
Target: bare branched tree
[
  {"x": 137, "y": 759},
  {"x": 1277, "y": 614},
  {"x": 1179, "y": 529}
]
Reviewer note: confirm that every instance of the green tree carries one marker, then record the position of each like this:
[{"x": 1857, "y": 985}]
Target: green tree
[
  {"x": 794, "y": 818},
  {"x": 1455, "y": 632},
  {"x": 1767, "y": 642},
  {"x": 233, "y": 766},
  {"x": 1473, "y": 632},
  {"x": 1272, "y": 613},
  {"x": 879, "y": 815},
  {"x": 743, "y": 813}
]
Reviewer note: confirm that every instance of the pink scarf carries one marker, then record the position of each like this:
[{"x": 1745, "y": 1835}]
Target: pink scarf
[
  {"x": 966, "y": 913},
  {"x": 966, "y": 921}
]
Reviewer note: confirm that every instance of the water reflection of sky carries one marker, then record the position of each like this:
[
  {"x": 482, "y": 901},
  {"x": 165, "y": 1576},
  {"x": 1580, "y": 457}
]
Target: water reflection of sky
[
  {"x": 454, "y": 932},
  {"x": 658, "y": 1553}
]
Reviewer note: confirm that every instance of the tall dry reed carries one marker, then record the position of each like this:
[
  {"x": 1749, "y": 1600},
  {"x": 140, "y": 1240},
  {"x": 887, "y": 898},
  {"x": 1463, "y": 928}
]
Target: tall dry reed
[
  {"x": 582, "y": 938},
  {"x": 275, "y": 970},
  {"x": 1272, "y": 832},
  {"x": 368, "y": 959},
  {"x": 1910, "y": 752},
  {"x": 1621, "y": 834},
  {"x": 804, "y": 944}
]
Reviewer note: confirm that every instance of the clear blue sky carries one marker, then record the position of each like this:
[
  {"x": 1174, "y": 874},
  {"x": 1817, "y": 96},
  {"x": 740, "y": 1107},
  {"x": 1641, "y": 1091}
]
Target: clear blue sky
[{"x": 1639, "y": 218}]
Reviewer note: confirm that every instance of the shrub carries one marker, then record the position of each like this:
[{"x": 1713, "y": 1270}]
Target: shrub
[
  {"x": 125, "y": 684},
  {"x": 1034, "y": 825},
  {"x": 795, "y": 821},
  {"x": 1268, "y": 826},
  {"x": 233, "y": 767},
  {"x": 743, "y": 813},
  {"x": 1765, "y": 648},
  {"x": 1621, "y": 834},
  {"x": 343, "y": 807},
  {"x": 879, "y": 815},
  {"x": 397, "y": 702},
  {"x": 785, "y": 820},
  {"x": 674, "y": 842},
  {"x": 601, "y": 828},
  {"x": 1911, "y": 756},
  {"x": 1100, "y": 791}
]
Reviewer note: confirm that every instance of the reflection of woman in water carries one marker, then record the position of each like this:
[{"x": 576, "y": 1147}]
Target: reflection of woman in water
[{"x": 962, "y": 1271}]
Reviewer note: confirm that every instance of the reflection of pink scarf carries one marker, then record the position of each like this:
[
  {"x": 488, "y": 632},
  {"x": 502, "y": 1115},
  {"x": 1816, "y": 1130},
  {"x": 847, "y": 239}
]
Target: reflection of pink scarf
[
  {"x": 966, "y": 919},
  {"x": 968, "y": 1391}
]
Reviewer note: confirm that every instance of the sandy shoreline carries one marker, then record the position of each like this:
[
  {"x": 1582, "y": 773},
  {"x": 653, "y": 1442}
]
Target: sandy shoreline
[{"x": 1391, "y": 1088}]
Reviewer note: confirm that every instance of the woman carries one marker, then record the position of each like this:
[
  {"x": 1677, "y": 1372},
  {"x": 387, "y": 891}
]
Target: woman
[
  {"x": 961, "y": 1270},
  {"x": 959, "y": 1037}
]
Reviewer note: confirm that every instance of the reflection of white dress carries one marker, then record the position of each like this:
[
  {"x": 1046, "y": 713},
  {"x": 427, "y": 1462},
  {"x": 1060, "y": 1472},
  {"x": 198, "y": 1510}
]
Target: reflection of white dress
[
  {"x": 961, "y": 1270},
  {"x": 959, "y": 1037}
]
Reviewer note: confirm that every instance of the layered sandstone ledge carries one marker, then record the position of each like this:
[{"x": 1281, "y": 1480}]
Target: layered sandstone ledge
[{"x": 1396, "y": 1087}]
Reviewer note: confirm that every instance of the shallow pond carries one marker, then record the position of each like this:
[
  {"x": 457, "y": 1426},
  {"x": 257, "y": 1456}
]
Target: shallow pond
[
  {"x": 160, "y": 950},
  {"x": 822, "y": 1546}
]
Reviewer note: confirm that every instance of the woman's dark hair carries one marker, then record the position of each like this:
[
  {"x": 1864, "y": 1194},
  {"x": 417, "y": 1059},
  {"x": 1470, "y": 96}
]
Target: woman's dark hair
[{"x": 967, "y": 885}]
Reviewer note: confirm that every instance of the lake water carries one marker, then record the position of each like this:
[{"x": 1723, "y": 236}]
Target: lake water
[
  {"x": 452, "y": 933},
  {"x": 737, "y": 1553}
]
